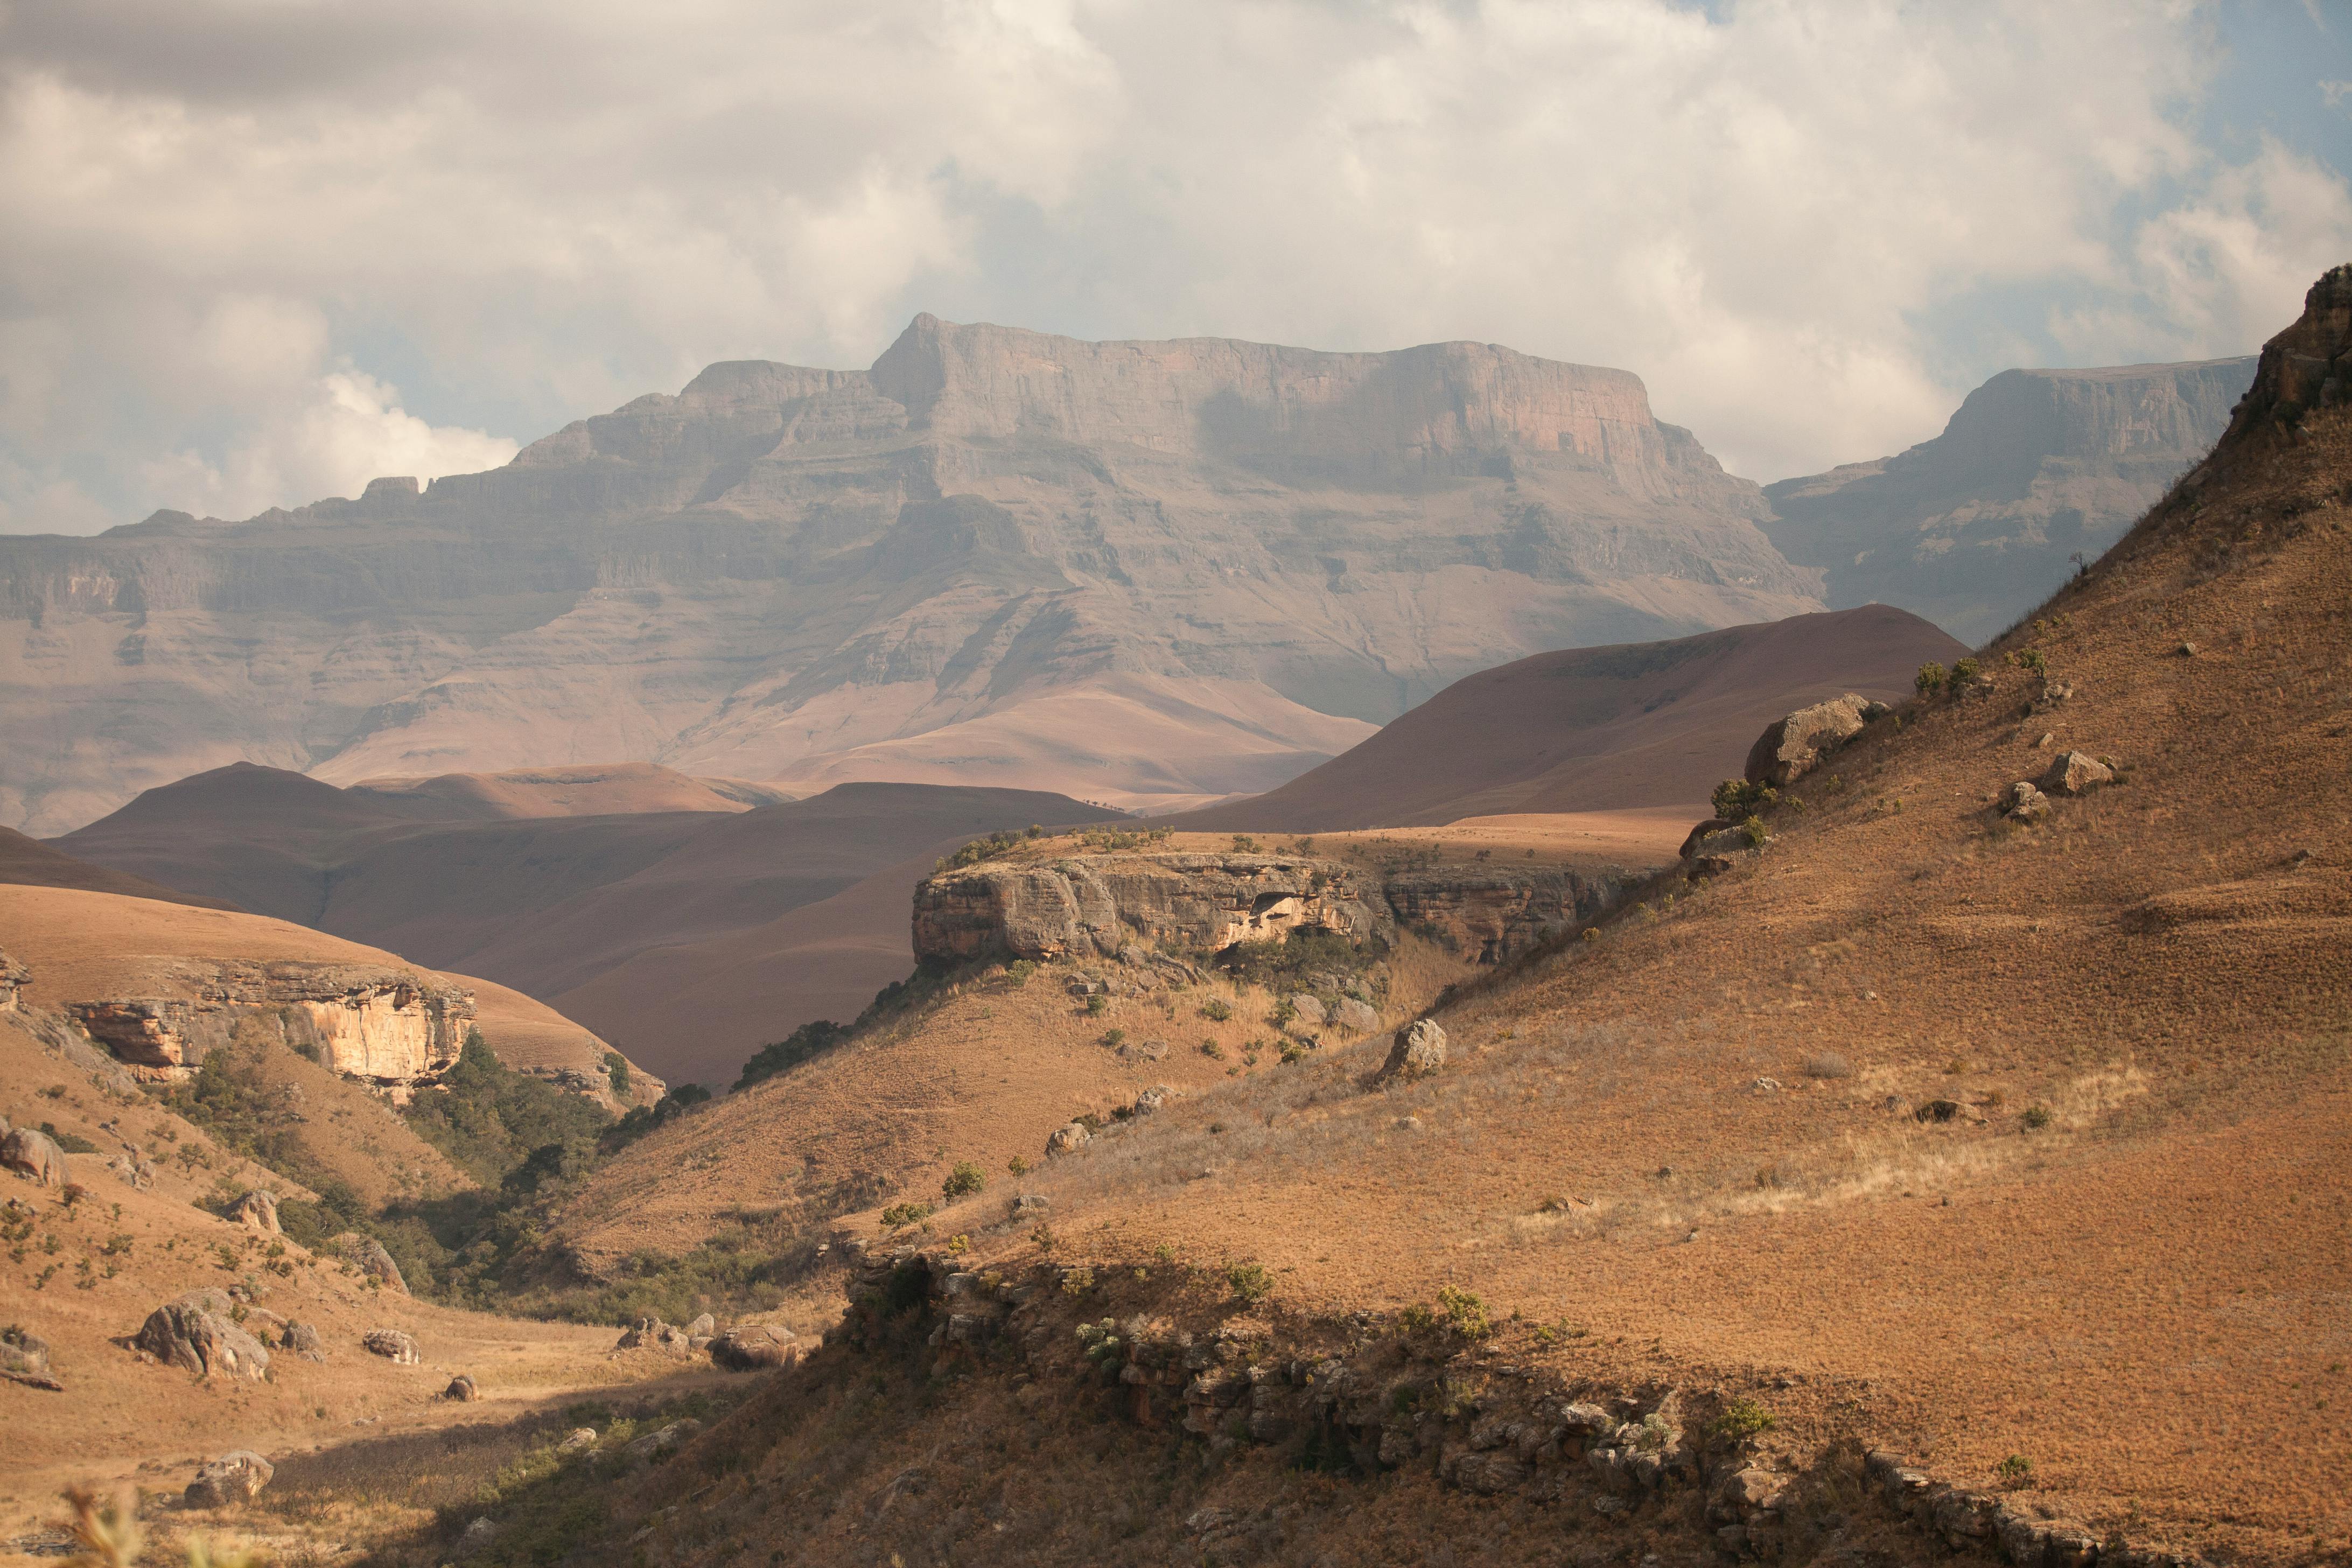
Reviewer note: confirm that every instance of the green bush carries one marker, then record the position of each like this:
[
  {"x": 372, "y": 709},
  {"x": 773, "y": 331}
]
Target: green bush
[
  {"x": 1114, "y": 1038},
  {"x": 616, "y": 1071},
  {"x": 810, "y": 1039},
  {"x": 2031, "y": 660},
  {"x": 963, "y": 1181},
  {"x": 1738, "y": 798},
  {"x": 898, "y": 1217},
  {"x": 1019, "y": 970},
  {"x": 1250, "y": 1282},
  {"x": 2017, "y": 1470},
  {"x": 1216, "y": 1011},
  {"x": 1097, "y": 1004},
  {"x": 2036, "y": 1118},
  {"x": 1466, "y": 1314},
  {"x": 1754, "y": 828},
  {"x": 1964, "y": 671},
  {"x": 1741, "y": 1418},
  {"x": 1930, "y": 678}
]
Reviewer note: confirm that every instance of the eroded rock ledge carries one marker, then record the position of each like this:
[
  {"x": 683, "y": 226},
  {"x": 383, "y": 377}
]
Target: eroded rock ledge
[
  {"x": 394, "y": 1028},
  {"x": 1083, "y": 906}
]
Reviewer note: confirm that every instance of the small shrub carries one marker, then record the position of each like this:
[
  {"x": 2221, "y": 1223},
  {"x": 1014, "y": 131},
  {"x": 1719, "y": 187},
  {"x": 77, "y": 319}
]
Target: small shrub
[
  {"x": 1250, "y": 1281},
  {"x": 1244, "y": 845},
  {"x": 1292, "y": 1051},
  {"x": 959, "y": 1243},
  {"x": 1097, "y": 1004},
  {"x": 1042, "y": 1234},
  {"x": 2036, "y": 1118},
  {"x": 1284, "y": 1012},
  {"x": 1461, "y": 1312},
  {"x": 1017, "y": 1165},
  {"x": 1216, "y": 1011},
  {"x": 1930, "y": 678},
  {"x": 1829, "y": 1064},
  {"x": 2031, "y": 660},
  {"x": 1113, "y": 1038},
  {"x": 963, "y": 1181},
  {"x": 1736, "y": 798},
  {"x": 2017, "y": 1470},
  {"x": 1079, "y": 1281},
  {"x": 1213, "y": 1051},
  {"x": 1742, "y": 1419},
  {"x": 1964, "y": 671},
  {"x": 898, "y": 1217},
  {"x": 1019, "y": 970},
  {"x": 1754, "y": 828}
]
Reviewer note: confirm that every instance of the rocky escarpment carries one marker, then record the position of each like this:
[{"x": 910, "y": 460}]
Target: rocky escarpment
[
  {"x": 1973, "y": 528},
  {"x": 393, "y": 1029},
  {"x": 1085, "y": 905},
  {"x": 12, "y": 976},
  {"x": 788, "y": 573},
  {"x": 1082, "y": 906}
]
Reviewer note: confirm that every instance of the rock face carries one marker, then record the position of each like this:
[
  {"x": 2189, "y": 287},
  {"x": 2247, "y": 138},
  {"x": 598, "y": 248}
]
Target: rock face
[
  {"x": 790, "y": 572},
  {"x": 1068, "y": 1139},
  {"x": 1095, "y": 904},
  {"x": 1418, "y": 1051},
  {"x": 234, "y": 1477},
  {"x": 368, "y": 1256},
  {"x": 33, "y": 1154},
  {"x": 1489, "y": 915},
  {"x": 392, "y": 1344},
  {"x": 24, "y": 1359},
  {"x": 1100, "y": 904},
  {"x": 258, "y": 1209},
  {"x": 1792, "y": 747},
  {"x": 392, "y": 1027},
  {"x": 195, "y": 1333},
  {"x": 2075, "y": 773},
  {"x": 753, "y": 1347},
  {"x": 1975, "y": 527},
  {"x": 12, "y": 976}
]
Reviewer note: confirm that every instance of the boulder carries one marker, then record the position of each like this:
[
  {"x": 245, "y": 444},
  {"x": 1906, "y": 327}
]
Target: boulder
[
  {"x": 1356, "y": 1018},
  {"x": 24, "y": 1358},
  {"x": 392, "y": 1344},
  {"x": 303, "y": 1340},
  {"x": 704, "y": 1323},
  {"x": 751, "y": 1347},
  {"x": 478, "y": 1537},
  {"x": 1067, "y": 1139},
  {"x": 368, "y": 1256},
  {"x": 1418, "y": 1050},
  {"x": 195, "y": 1333},
  {"x": 258, "y": 1210},
  {"x": 1724, "y": 841},
  {"x": 2075, "y": 773},
  {"x": 1792, "y": 747},
  {"x": 462, "y": 1389},
  {"x": 1699, "y": 833},
  {"x": 2023, "y": 802},
  {"x": 642, "y": 1332},
  {"x": 1705, "y": 866},
  {"x": 234, "y": 1477},
  {"x": 1151, "y": 1099},
  {"x": 1031, "y": 1202},
  {"x": 137, "y": 1172},
  {"x": 1142, "y": 1051},
  {"x": 579, "y": 1437},
  {"x": 668, "y": 1439},
  {"x": 34, "y": 1155},
  {"x": 1309, "y": 1009}
]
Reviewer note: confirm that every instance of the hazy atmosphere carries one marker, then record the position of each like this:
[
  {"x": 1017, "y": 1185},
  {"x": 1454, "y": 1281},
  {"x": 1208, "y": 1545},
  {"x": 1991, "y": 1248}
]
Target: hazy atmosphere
[{"x": 261, "y": 252}]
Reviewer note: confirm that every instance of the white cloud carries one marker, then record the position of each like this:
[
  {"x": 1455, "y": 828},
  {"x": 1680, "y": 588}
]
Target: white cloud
[{"x": 225, "y": 219}]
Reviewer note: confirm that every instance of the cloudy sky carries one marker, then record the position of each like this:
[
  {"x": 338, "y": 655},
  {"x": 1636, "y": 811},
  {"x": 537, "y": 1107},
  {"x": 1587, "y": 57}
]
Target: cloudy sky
[{"x": 256, "y": 252}]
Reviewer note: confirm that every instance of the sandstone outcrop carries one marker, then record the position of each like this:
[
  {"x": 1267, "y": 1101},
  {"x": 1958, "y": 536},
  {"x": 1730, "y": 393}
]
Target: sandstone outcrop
[
  {"x": 235, "y": 1477},
  {"x": 368, "y": 1256},
  {"x": 34, "y": 1155},
  {"x": 1085, "y": 905},
  {"x": 394, "y": 1028},
  {"x": 755, "y": 1347},
  {"x": 12, "y": 976},
  {"x": 1792, "y": 747},
  {"x": 24, "y": 1359},
  {"x": 395, "y": 1345},
  {"x": 195, "y": 1333},
  {"x": 1490, "y": 914},
  {"x": 258, "y": 1209},
  {"x": 2075, "y": 773},
  {"x": 1418, "y": 1050},
  {"x": 462, "y": 1389}
]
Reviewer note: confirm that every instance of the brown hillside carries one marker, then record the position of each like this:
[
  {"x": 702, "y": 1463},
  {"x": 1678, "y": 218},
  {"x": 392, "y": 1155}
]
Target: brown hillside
[
  {"x": 2019, "y": 1150},
  {"x": 1595, "y": 729},
  {"x": 29, "y": 862},
  {"x": 84, "y": 946},
  {"x": 589, "y": 789}
]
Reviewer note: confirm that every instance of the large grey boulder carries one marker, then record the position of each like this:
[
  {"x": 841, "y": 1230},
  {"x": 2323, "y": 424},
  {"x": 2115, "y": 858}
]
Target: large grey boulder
[
  {"x": 1356, "y": 1018},
  {"x": 1068, "y": 1140},
  {"x": 195, "y": 1333},
  {"x": 258, "y": 1210},
  {"x": 34, "y": 1155},
  {"x": 303, "y": 1340},
  {"x": 368, "y": 1256},
  {"x": 24, "y": 1358},
  {"x": 1418, "y": 1051},
  {"x": 234, "y": 1477},
  {"x": 2075, "y": 773},
  {"x": 393, "y": 1345},
  {"x": 1792, "y": 747},
  {"x": 754, "y": 1346}
]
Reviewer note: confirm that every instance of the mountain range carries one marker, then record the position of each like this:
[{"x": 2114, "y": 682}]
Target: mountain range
[{"x": 1153, "y": 575}]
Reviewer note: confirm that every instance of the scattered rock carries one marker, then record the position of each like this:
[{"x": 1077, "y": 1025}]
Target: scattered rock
[
  {"x": 1946, "y": 1110},
  {"x": 2047, "y": 740},
  {"x": 478, "y": 1537},
  {"x": 34, "y": 1155},
  {"x": 2077, "y": 773},
  {"x": 1067, "y": 1139},
  {"x": 258, "y": 1210},
  {"x": 1031, "y": 1202},
  {"x": 303, "y": 1340},
  {"x": 2186, "y": 650},
  {"x": 753, "y": 1347},
  {"x": 462, "y": 1389},
  {"x": 1765, "y": 1086},
  {"x": 136, "y": 1171},
  {"x": 2023, "y": 802},
  {"x": 1727, "y": 841},
  {"x": 1792, "y": 747},
  {"x": 392, "y": 1344},
  {"x": 579, "y": 1437},
  {"x": 234, "y": 1477},
  {"x": 1407, "y": 1124},
  {"x": 1309, "y": 1009},
  {"x": 368, "y": 1256},
  {"x": 1356, "y": 1018},
  {"x": 1151, "y": 1099},
  {"x": 652, "y": 1333},
  {"x": 668, "y": 1439},
  {"x": 195, "y": 1333},
  {"x": 1419, "y": 1050},
  {"x": 704, "y": 1323},
  {"x": 1142, "y": 1051},
  {"x": 1705, "y": 866},
  {"x": 24, "y": 1358},
  {"x": 1699, "y": 833}
]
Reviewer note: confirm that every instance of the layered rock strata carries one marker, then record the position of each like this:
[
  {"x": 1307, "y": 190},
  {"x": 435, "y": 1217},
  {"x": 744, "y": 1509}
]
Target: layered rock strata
[{"x": 392, "y": 1028}]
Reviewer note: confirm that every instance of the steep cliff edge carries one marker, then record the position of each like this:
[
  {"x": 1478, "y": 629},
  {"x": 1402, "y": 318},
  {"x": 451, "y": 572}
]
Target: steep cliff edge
[
  {"x": 2037, "y": 467},
  {"x": 1156, "y": 572}
]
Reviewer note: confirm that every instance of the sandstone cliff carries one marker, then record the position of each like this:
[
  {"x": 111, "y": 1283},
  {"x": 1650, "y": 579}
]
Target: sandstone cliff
[
  {"x": 1975, "y": 527},
  {"x": 1155, "y": 572},
  {"x": 1085, "y": 905}
]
